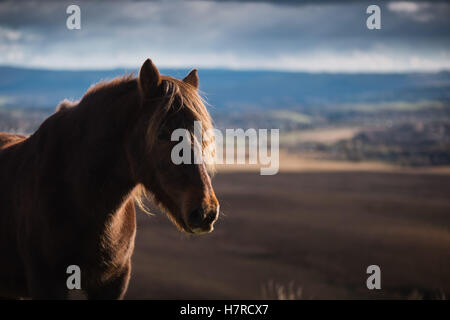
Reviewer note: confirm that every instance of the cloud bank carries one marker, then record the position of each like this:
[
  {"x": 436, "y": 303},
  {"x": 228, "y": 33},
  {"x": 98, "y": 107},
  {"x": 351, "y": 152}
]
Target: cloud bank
[{"x": 320, "y": 37}]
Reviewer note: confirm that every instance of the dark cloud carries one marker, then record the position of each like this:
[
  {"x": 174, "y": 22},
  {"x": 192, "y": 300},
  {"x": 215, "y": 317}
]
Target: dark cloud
[
  {"x": 321, "y": 2},
  {"x": 238, "y": 34}
]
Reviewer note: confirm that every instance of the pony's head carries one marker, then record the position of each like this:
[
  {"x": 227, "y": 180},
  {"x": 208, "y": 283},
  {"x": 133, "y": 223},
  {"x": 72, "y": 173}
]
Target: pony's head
[{"x": 183, "y": 190}]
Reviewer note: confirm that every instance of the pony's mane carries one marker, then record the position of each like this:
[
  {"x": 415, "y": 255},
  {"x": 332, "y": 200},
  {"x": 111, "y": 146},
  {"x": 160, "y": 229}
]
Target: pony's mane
[
  {"x": 177, "y": 96},
  {"x": 65, "y": 104},
  {"x": 117, "y": 82},
  {"x": 121, "y": 83}
]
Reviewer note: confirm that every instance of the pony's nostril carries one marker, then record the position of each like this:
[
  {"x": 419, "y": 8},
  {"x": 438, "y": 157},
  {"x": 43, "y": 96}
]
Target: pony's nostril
[
  {"x": 201, "y": 220},
  {"x": 211, "y": 216},
  {"x": 195, "y": 218}
]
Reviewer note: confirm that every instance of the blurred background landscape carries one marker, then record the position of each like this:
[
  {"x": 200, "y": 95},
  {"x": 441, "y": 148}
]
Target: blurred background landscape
[
  {"x": 400, "y": 118},
  {"x": 364, "y": 119}
]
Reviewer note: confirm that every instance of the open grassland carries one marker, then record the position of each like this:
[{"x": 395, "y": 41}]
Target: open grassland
[
  {"x": 320, "y": 135},
  {"x": 307, "y": 234},
  {"x": 308, "y": 162}
]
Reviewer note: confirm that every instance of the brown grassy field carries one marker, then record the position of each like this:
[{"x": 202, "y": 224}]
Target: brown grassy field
[
  {"x": 327, "y": 135},
  {"x": 309, "y": 233}
]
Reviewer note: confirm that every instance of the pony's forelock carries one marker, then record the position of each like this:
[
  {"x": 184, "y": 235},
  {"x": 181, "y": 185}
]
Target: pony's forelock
[{"x": 177, "y": 96}]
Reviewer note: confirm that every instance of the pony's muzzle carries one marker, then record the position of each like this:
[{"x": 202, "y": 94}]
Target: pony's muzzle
[{"x": 202, "y": 220}]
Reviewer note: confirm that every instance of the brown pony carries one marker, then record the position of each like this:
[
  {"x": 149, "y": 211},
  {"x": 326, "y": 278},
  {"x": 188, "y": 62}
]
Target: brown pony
[{"x": 67, "y": 192}]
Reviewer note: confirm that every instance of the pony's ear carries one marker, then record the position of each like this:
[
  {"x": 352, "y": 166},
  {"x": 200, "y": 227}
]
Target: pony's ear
[
  {"x": 192, "y": 78},
  {"x": 149, "y": 78}
]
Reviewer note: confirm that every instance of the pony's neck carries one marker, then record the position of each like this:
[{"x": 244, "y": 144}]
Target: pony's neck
[{"x": 94, "y": 138}]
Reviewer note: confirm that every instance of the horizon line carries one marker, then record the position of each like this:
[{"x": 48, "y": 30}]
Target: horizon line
[{"x": 221, "y": 68}]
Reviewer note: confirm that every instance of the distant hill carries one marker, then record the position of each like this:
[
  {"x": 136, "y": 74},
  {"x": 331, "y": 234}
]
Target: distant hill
[
  {"x": 400, "y": 118},
  {"x": 236, "y": 90}
]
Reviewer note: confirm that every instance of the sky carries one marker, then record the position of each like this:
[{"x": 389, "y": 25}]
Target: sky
[{"x": 312, "y": 36}]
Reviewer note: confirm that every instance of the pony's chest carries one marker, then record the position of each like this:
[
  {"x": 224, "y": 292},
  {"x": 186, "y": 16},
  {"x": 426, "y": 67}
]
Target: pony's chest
[
  {"x": 111, "y": 255},
  {"x": 117, "y": 239},
  {"x": 115, "y": 243}
]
